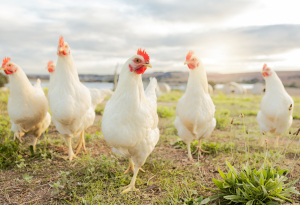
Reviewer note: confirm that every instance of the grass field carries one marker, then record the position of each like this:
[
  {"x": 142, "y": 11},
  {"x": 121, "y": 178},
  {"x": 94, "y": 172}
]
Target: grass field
[{"x": 45, "y": 177}]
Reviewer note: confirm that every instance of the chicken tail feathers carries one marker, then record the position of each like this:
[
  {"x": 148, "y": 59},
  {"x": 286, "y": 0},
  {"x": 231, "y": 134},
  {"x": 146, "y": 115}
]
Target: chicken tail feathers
[
  {"x": 98, "y": 95},
  {"x": 150, "y": 91},
  {"x": 38, "y": 86}
]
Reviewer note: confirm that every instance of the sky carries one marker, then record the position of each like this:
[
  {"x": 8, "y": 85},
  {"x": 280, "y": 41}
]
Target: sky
[{"x": 229, "y": 36}]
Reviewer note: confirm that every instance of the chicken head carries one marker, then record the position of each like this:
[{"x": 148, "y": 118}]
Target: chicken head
[
  {"x": 140, "y": 63},
  {"x": 63, "y": 48},
  {"x": 8, "y": 67},
  {"x": 191, "y": 61},
  {"x": 50, "y": 67},
  {"x": 266, "y": 71}
]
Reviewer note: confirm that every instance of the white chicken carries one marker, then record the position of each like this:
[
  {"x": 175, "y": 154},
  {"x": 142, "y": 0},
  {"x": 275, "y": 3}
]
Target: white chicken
[
  {"x": 195, "y": 109},
  {"x": 276, "y": 114},
  {"x": 27, "y": 105},
  {"x": 70, "y": 101},
  {"x": 130, "y": 117},
  {"x": 97, "y": 95}
]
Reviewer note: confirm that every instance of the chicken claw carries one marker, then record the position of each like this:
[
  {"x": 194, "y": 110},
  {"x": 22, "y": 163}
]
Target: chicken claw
[
  {"x": 131, "y": 186},
  {"x": 71, "y": 157},
  {"x": 81, "y": 143},
  {"x": 18, "y": 136},
  {"x": 200, "y": 150},
  {"x": 131, "y": 167},
  {"x": 128, "y": 189}
]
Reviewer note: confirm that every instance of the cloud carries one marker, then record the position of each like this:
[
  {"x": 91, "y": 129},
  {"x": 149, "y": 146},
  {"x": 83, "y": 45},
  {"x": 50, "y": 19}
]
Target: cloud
[
  {"x": 101, "y": 34},
  {"x": 201, "y": 11}
]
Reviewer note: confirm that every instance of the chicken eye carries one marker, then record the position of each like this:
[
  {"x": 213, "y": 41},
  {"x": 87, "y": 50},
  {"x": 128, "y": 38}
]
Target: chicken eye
[
  {"x": 66, "y": 46},
  {"x": 137, "y": 60}
]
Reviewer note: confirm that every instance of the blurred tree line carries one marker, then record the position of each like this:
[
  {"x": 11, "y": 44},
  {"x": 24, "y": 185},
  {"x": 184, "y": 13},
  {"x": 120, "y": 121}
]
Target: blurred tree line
[{"x": 3, "y": 79}]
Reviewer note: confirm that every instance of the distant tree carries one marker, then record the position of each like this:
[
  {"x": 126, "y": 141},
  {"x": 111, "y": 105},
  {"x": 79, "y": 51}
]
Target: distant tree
[
  {"x": 254, "y": 80},
  {"x": 293, "y": 85},
  {"x": 212, "y": 83},
  {"x": 3, "y": 80}
]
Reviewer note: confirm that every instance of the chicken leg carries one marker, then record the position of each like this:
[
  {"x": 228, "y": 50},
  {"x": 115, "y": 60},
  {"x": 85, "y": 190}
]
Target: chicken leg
[
  {"x": 71, "y": 153},
  {"x": 81, "y": 143},
  {"x": 189, "y": 152},
  {"x": 18, "y": 135},
  {"x": 131, "y": 167},
  {"x": 131, "y": 186},
  {"x": 199, "y": 149},
  {"x": 34, "y": 143}
]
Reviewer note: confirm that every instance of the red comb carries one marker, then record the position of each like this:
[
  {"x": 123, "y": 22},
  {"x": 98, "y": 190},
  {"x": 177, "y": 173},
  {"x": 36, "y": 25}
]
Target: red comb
[
  {"x": 265, "y": 65},
  {"x": 49, "y": 63},
  {"x": 144, "y": 54},
  {"x": 189, "y": 55},
  {"x": 5, "y": 60},
  {"x": 61, "y": 41}
]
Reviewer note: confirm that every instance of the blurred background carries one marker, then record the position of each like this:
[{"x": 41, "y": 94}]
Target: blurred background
[{"x": 234, "y": 38}]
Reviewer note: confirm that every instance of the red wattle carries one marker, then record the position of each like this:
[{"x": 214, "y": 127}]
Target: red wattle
[
  {"x": 141, "y": 70},
  {"x": 8, "y": 72},
  {"x": 191, "y": 66}
]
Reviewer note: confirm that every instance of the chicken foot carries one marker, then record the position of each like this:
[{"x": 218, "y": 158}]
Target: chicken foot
[
  {"x": 81, "y": 143},
  {"x": 199, "y": 149},
  {"x": 131, "y": 186},
  {"x": 131, "y": 167},
  {"x": 18, "y": 135},
  {"x": 71, "y": 153}
]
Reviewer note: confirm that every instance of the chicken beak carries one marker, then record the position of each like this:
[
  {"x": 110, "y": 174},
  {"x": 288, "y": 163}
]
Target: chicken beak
[
  {"x": 2, "y": 68},
  {"x": 185, "y": 63},
  {"x": 148, "y": 65},
  {"x": 61, "y": 49}
]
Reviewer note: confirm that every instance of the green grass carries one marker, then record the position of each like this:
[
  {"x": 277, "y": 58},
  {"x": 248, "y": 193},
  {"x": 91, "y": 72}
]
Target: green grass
[
  {"x": 296, "y": 117},
  {"x": 166, "y": 111},
  {"x": 267, "y": 185},
  {"x": 100, "y": 109},
  {"x": 97, "y": 176},
  {"x": 173, "y": 96},
  {"x": 222, "y": 118}
]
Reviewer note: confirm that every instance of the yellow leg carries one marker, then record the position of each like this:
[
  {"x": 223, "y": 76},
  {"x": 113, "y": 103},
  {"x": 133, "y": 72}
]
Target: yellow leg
[
  {"x": 81, "y": 143},
  {"x": 200, "y": 150},
  {"x": 131, "y": 186},
  {"x": 277, "y": 140},
  {"x": 71, "y": 153},
  {"x": 34, "y": 143},
  {"x": 131, "y": 167}
]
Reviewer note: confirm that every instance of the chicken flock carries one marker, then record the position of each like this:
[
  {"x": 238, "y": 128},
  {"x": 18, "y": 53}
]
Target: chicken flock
[{"x": 130, "y": 120}]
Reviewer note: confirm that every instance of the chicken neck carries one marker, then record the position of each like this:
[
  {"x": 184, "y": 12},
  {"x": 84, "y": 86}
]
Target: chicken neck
[
  {"x": 274, "y": 84},
  {"x": 66, "y": 70},
  {"x": 197, "y": 78},
  {"x": 19, "y": 84},
  {"x": 129, "y": 84}
]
